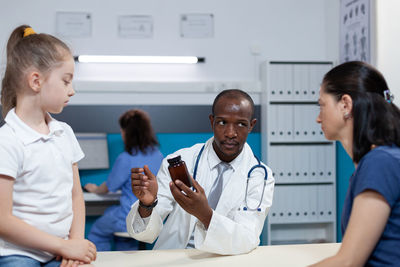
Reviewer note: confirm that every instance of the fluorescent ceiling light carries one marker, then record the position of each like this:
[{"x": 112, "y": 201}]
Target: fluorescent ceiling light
[{"x": 138, "y": 59}]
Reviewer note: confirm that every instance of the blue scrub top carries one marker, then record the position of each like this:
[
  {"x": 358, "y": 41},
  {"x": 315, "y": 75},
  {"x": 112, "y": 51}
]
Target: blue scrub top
[
  {"x": 120, "y": 177},
  {"x": 379, "y": 170}
]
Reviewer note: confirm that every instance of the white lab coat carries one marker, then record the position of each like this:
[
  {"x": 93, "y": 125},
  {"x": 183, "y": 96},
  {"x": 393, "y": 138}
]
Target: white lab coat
[{"x": 232, "y": 230}]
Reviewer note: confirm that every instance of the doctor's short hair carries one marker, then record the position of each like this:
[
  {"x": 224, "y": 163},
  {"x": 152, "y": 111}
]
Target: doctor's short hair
[{"x": 234, "y": 93}]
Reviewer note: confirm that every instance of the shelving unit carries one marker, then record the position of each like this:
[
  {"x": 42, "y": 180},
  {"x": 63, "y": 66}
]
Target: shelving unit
[{"x": 302, "y": 160}]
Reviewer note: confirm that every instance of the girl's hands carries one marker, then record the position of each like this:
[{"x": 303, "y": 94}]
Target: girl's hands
[{"x": 79, "y": 250}]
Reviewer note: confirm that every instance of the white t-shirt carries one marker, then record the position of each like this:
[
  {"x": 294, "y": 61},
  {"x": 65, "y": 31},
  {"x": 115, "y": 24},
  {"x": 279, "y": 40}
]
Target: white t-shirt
[{"x": 42, "y": 168}]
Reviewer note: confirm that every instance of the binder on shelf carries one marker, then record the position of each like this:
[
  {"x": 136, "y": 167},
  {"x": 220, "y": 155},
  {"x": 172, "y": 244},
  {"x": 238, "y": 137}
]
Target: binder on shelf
[
  {"x": 281, "y": 166},
  {"x": 290, "y": 159},
  {"x": 281, "y": 84},
  {"x": 272, "y": 161},
  {"x": 312, "y": 163},
  {"x": 313, "y": 203},
  {"x": 281, "y": 123},
  {"x": 321, "y": 196},
  {"x": 287, "y": 70},
  {"x": 297, "y": 123},
  {"x": 305, "y": 164},
  {"x": 315, "y": 81},
  {"x": 307, "y": 123},
  {"x": 321, "y": 169},
  {"x": 317, "y": 127},
  {"x": 294, "y": 198},
  {"x": 311, "y": 117},
  {"x": 297, "y": 202},
  {"x": 286, "y": 199},
  {"x": 331, "y": 215},
  {"x": 274, "y": 82},
  {"x": 305, "y": 203},
  {"x": 274, "y": 215},
  {"x": 297, "y": 162},
  {"x": 330, "y": 161},
  {"x": 289, "y": 122},
  {"x": 273, "y": 123},
  {"x": 314, "y": 109},
  {"x": 322, "y": 70},
  {"x": 328, "y": 202}
]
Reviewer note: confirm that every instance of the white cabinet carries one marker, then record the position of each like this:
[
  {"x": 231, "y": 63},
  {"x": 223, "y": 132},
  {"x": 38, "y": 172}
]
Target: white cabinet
[{"x": 302, "y": 160}]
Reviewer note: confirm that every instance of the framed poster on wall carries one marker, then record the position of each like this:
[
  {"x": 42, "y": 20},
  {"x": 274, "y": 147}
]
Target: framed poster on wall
[{"x": 355, "y": 30}]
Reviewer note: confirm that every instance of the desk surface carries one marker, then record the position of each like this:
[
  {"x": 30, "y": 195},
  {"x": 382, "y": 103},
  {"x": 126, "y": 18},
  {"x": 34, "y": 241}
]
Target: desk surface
[
  {"x": 96, "y": 204},
  {"x": 110, "y": 196},
  {"x": 288, "y": 255}
]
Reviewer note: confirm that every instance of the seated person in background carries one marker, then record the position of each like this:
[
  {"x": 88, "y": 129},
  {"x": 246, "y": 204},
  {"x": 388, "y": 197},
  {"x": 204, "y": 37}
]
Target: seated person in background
[
  {"x": 357, "y": 110},
  {"x": 140, "y": 148},
  {"x": 198, "y": 218}
]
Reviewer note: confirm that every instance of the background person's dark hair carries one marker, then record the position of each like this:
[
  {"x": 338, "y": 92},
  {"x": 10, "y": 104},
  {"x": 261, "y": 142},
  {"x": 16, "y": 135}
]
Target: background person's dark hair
[
  {"x": 376, "y": 121},
  {"x": 139, "y": 134},
  {"x": 234, "y": 93}
]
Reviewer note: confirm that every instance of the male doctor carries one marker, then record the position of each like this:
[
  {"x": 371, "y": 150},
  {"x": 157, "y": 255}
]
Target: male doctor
[{"x": 219, "y": 214}]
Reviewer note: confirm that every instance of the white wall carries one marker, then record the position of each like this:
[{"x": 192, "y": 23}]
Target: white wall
[
  {"x": 387, "y": 42},
  {"x": 284, "y": 30}
]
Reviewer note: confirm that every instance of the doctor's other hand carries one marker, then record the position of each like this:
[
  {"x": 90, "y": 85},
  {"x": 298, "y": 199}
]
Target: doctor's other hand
[
  {"x": 193, "y": 202},
  {"x": 144, "y": 185}
]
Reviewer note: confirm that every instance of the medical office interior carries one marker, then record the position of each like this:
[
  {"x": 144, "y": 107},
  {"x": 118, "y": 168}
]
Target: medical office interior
[{"x": 277, "y": 51}]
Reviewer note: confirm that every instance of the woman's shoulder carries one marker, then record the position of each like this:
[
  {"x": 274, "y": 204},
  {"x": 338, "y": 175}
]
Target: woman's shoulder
[
  {"x": 379, "y": 171},
  {"x": 382, "y": 159},
  {"x": 383, "y": 153}
]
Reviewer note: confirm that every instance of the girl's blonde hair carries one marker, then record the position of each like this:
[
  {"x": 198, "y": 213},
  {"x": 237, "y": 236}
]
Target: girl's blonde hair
[{"x": 39, "y": 51}]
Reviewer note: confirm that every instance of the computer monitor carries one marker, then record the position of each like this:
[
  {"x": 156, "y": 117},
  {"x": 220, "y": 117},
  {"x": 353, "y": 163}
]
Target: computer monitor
[{"x": 94, "y": 145}]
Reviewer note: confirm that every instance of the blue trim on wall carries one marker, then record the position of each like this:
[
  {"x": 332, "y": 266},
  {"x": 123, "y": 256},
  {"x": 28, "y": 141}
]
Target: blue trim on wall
[
  {"x": 169, "y": 143},
  {"x": 345, "y": 169}
]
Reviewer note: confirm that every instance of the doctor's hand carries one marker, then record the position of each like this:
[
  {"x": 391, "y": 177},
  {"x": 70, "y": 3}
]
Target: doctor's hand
[
  {"x": 193, "y": 202},
  {"x": 144, "y": 185}
]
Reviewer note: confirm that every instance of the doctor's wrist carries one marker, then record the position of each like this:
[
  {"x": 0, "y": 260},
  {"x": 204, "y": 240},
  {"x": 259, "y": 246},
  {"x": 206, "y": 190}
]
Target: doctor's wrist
[
  {"x": 205, "y": 217},
  {"x": 148, "y": 207}
]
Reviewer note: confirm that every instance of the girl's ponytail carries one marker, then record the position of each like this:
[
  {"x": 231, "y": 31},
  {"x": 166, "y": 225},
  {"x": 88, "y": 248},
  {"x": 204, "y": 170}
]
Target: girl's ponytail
[
  {"x": 8, "y": 92},
  {"x": 27, "y": 49}
]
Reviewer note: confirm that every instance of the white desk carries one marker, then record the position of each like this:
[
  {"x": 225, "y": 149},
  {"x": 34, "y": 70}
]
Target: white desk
[
  {"x": 274, "y": 256},
  {"x": 96, "y": 204}
]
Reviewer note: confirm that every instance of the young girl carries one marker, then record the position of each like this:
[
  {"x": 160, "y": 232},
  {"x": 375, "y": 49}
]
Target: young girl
[
  {"x": 41, "y": 202},
  {"x": 357, "y": 109},
  {"x": 140, "y": 149}
]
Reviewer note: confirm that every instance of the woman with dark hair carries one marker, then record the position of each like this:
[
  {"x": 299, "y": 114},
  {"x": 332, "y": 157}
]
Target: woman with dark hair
[
  {"x": 356, "y": 108},
  {"x": 141, "y": 147}
]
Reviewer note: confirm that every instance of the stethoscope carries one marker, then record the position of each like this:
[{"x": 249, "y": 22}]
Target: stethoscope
[{"x": 258, "y": 165}]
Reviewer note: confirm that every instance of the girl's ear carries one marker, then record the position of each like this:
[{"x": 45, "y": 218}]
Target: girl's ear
[{"x": 35, "y": 81}]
